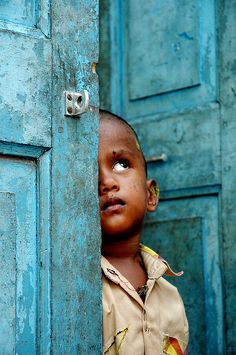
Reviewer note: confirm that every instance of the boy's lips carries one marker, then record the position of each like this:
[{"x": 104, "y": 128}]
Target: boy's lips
[{"x": 112, "y": 203}]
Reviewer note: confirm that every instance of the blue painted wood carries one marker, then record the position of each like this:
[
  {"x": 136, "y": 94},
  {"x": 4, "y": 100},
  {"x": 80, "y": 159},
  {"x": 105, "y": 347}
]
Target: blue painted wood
[
  {"x": 180, "y": 97},
  {"x": 25, "y": 62},
  {"x": 18, "y": 179},
  {"x": 48, "y": 171},
  {"x": 23, "y": 150},
  {"x": 177, "y": 64},
  {"x": 31, "y": 18},
  {"x": 7, "y": 272},
  {"x": 184, "y": 232},
  {"x": 191, "y": 143},
  {"x": 227, "y": 55},
  {"x": 31, "y": 306},
  {"x": 173, "y": 60},
  {"x": 44, "y": 252},
  {"x": 18, "y": 12},
  {"x": 26, "y": 134},
  {"x": 76, "y": 279}
]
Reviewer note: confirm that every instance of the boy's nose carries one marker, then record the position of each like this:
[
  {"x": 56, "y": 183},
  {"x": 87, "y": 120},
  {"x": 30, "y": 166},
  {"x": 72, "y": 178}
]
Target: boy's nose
[{"x": 107, "y": 183}]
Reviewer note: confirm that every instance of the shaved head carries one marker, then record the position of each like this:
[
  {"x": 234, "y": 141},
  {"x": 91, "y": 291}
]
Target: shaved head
[{"x": 111, "y": 116}]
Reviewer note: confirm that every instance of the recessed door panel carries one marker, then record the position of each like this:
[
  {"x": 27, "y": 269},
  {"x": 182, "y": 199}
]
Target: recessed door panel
[
  {"x": 171, "y": 63},
  {"x": 168, "y": 61},
  {"x": 190, "y": 143},
  {"x": 15, "y": 11},
  {"x": 29, "y": 17},
  {"x": 25, "y": 62},
  {"x": 185, "y": 233},
  {"x": 18, "y": 274}
]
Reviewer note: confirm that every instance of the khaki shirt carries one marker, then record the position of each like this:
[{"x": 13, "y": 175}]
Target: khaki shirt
[{"x": 131, "y": 327}]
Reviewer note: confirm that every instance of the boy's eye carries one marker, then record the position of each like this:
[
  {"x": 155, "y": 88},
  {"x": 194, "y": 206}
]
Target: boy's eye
[{"x": 120, "y": 165}]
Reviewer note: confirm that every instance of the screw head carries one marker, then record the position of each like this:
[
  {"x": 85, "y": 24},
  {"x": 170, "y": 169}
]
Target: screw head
[
  {"x": 69, "y": 97},
  {"x": 69, "y": 109},
  {"x": 79, "y": 100}
]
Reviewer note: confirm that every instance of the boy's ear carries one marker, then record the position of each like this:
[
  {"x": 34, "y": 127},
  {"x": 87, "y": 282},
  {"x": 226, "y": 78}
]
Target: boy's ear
[{"x": 153, "y": 195}]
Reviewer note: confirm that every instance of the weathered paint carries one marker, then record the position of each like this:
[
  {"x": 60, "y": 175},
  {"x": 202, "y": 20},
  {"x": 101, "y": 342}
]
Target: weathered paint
[
  {"x": 7, "y": 272},
  {"x": 14, "y": 11},
  {"x": 193, "y": 124},
  {"x": 25, "y": 62},
  {"x": 48, "y": 179},
  {"x": 179, "y": 230},
  {"x": 76, "y": 281},
  {"x": 44, "y": 252},
  {"x": 18, "y": 178},
  {"x": 177, "y": 74},
  {"x": 191, "y": 137},
  {"x": 227, "y": 55},
  {"x": 175, "y": 50}
]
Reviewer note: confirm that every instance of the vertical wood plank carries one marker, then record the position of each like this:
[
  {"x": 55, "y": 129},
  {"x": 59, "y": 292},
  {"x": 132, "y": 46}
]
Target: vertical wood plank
[
  {"x": 227, "y": 55},
  {"x": 7, "y": 272},
  {"x": 76, "y": 281},
  {"x": 44, "y": 252}
]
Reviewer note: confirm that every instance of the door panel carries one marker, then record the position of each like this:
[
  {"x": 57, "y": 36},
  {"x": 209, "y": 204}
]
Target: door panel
[
  {"x": 17, "y": 12},
  {"x": 25, "y": 63},
  {"x": 163, "y": 77},
  {"x": 31, "y": 17},
  {"x": 190, "y": 142},
  {"x": 167, "y": 59},
  {"x": 19, "y": 253},
  {"x": 25, "y": 245},
  {"x": 184, "y": 232},
  {"x": 48, "y": 179},
  {"x": 151, "y": 74}
]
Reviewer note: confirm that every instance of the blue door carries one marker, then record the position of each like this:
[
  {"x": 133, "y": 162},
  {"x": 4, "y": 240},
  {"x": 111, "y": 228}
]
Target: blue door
[
  {"x": 49, "y": 226},
  {"x": 168, "y": 68}
]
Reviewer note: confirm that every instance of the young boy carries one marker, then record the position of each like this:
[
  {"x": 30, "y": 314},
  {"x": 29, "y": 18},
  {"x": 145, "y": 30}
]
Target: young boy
[{"x": 142, "y": 312}]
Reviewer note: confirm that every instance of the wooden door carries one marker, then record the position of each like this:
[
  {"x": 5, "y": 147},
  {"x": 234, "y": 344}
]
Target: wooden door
[
  {"x": 168, "y": 68},
  {"x": 49, "y": 226}
]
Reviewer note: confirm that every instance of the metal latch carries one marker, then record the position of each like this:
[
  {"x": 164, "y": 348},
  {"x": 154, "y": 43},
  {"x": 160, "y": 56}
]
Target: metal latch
[
  {"x": 157, "y": 158},
  {"x": 77, "y": 103}
]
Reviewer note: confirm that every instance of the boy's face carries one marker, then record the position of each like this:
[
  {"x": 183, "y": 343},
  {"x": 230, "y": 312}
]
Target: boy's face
[{"x": 124, "y": 193}]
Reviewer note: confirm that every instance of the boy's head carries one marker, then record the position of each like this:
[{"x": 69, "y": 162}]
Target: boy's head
[{"x": 125, "y": 194}]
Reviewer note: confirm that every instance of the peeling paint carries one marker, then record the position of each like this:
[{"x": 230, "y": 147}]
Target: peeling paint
[
  {"x": 19, "y": 176},
  {"x": 21, "y": 97},
  {"x": 94, "y": 68},
  {"x": 76, "y": 281},
  {"x": 33, "y": 95},
  {"x": 25, "y": 105},
  {"x": 186, "y": 36}
]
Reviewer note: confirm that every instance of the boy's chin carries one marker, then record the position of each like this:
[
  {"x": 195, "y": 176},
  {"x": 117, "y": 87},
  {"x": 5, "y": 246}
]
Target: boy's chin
[{"x": 113, "y": 238}]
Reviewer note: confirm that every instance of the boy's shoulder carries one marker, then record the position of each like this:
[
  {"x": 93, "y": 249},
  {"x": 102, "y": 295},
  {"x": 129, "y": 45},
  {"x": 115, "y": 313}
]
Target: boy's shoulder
[{"x": 154, "y": 264}]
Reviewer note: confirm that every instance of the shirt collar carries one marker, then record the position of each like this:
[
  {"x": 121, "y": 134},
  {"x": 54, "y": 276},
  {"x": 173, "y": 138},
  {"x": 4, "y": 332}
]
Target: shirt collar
[{"x": 155, "y": 266}]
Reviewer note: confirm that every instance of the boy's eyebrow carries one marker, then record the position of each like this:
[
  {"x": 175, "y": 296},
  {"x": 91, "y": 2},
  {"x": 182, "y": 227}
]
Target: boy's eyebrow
[{"x": 122, "y": 151}]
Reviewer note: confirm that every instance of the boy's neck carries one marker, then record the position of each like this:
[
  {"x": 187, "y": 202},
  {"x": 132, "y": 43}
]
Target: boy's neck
[
  {"x": 123, "y": 249},
  {"x": 125, "y": 256}
]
